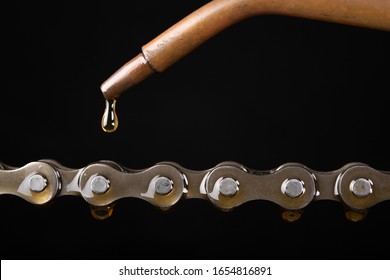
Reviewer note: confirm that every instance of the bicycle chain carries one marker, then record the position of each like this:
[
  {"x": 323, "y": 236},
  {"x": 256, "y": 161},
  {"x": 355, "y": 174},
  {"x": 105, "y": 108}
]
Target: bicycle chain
[{"x": 228, "y": 185}]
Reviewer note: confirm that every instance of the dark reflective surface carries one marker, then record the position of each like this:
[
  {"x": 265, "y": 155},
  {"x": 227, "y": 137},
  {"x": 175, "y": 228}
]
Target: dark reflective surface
[{"x": 265, "y": 92}]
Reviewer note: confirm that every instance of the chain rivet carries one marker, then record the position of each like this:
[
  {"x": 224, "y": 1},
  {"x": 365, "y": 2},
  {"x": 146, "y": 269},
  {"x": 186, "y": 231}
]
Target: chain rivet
[
  {"x": 100, "y": 185},
  {"x": 37, "y": 183},
  {"x": 228, "y": 186},
  {"x": 361, "y": 187},
  {"x": 163, "y": 185},
  {"x": 293, "y": 188}
]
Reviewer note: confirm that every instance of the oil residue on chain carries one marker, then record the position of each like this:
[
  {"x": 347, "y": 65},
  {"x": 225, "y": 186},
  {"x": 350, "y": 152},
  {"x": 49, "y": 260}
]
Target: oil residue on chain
[{"x": 110, "y": 119}]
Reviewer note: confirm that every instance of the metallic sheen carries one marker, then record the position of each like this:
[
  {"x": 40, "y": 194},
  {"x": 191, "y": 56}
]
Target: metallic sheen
[
  {"x": 37, "y": 183},
  {"x": 218, "y": 15},
  {"x": 293, "y": 188},
  {"x": 228, "y": 185},
  {"x": 100, "y": 185},
  {"x": 361, "y": 187},
  {"x": 163, "y": 185}
]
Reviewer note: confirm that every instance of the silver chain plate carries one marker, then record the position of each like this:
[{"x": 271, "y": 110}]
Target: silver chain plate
[{"x": 292, "y": 186}]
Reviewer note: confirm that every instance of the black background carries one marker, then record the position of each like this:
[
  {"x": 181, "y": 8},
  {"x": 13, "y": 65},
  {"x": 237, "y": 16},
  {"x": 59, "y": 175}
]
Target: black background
[{"x": 264, "y": 92}]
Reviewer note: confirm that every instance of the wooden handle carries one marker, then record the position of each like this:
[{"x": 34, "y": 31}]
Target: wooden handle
[{"x": 217, "y": 15}]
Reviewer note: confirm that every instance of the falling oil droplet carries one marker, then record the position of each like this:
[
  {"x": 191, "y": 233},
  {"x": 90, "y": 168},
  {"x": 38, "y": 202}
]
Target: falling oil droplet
[{"x": 110, "y": 119}]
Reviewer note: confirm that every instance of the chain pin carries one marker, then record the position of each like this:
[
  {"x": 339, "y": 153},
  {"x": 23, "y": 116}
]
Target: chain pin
[
  {"x": 100, "y": 185},
  {"x": 163, "y": 185},
  {"x": 228, "y": 187},
  {"x": 37, "y": 183},
  {"x": 293, "y": 188},
  {"x": 361, "y": 187}
]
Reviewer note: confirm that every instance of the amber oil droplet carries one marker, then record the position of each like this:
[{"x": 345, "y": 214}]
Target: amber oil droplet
[
  {"x": 110, "y": 119},
  {"x": 102, "y": 212}
]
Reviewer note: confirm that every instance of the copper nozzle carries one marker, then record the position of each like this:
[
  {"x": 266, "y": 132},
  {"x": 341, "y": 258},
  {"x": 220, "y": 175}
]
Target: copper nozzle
[{"x": 217, "y": 15}]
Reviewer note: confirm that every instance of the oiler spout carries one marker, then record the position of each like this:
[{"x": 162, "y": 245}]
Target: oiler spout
[{"x": 217, "y": 15}]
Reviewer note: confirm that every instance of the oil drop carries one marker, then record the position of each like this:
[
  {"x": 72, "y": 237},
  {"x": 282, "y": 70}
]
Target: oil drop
[{"x": 110, "y": 119}]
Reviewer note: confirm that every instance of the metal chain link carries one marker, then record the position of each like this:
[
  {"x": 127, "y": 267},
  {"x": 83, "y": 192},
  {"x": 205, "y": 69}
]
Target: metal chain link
[{"x": 292, "y": 186}]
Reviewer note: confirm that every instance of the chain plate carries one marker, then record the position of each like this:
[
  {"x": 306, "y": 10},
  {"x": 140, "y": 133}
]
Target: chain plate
[{"x": 292, "y": 186}]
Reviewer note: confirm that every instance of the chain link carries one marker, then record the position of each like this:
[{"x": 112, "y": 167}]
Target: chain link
[{"x": 292, "y": 186}]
